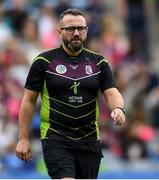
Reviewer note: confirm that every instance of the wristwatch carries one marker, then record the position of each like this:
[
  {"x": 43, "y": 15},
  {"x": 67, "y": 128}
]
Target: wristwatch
[{"x": 121, "y": 109}]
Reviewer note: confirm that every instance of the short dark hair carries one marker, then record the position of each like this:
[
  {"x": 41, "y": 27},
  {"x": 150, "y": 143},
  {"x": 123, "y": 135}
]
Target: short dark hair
[{"x": 72, "y": 11}]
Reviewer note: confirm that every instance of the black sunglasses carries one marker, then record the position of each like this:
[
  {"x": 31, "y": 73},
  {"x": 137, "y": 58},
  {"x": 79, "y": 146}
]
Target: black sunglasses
[{"x": 71, "y": 29}]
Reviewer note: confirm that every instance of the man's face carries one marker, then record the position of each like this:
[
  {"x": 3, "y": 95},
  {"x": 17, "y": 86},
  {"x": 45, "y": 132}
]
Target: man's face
[{"x": 73, "y": 32}]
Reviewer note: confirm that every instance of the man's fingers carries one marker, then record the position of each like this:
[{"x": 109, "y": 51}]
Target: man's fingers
[
  {"x": 24, "y": 156},
  {"x": 29, "y": 156},
  {"x": 118, "y": 116}
]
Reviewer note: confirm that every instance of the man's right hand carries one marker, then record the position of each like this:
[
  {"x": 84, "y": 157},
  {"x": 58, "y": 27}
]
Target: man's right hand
[{"x": 23, "y": 150}]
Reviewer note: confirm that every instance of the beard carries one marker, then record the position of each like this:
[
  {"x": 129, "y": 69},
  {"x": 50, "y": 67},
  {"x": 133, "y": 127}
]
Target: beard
[{"x": 72, "y": 45}]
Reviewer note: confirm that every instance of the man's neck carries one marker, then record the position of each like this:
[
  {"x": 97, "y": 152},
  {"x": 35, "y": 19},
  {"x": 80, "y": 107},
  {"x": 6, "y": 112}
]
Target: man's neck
[{"x": 70, "y": 53}]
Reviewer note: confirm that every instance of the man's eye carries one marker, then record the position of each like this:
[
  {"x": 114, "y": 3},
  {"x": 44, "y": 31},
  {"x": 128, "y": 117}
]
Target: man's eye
[
  {"x": 71, "y": 29},
  {"x": 80, "y": 28}
]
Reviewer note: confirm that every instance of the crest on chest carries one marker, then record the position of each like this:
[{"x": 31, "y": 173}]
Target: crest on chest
[{"x": 88, "y": 69}]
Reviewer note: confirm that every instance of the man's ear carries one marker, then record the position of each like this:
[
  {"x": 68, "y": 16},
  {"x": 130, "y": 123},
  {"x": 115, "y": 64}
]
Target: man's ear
[{"x": 59, "y": 31}]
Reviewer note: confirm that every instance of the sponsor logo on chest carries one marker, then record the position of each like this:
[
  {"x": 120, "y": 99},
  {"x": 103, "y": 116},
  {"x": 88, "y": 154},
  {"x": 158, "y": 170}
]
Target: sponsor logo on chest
[{"x": 77, "y": 99}]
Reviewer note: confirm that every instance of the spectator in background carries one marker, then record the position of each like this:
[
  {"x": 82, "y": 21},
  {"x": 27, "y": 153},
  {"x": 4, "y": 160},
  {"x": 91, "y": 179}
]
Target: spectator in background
[
  {"x": 137, "y": 133},
  {"x": 29, "y": 41},
  {"x": 137, "y": 27},
  {"x": 95, "y": 11},
  {"x": 47, "y": 25},
  {"x": 17, "y": 15},
  {"x": 61, "y": 7},
  {"x": 5, "y": 31},
  {"x": 113, "y": 44}
]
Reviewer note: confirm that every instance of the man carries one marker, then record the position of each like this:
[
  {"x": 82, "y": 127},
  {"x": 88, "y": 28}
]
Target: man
[{"x": 69, "y": 79}]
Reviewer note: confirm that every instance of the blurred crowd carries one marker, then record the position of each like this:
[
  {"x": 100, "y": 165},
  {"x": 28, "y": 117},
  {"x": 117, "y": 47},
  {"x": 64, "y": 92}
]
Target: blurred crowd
[{"x": 124, "y": 31}]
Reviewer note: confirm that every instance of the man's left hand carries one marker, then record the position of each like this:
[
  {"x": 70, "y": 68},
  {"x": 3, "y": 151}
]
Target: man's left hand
[{"x": 118, "y": 116}]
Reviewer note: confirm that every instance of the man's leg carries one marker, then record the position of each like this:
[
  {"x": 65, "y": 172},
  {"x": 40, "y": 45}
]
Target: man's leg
[
  {"x": 60, "y": 163},
  {"x": 87, "y": 165}
]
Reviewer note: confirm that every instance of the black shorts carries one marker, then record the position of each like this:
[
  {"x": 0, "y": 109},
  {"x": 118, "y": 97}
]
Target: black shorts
[{"x": 69, "y": 162}]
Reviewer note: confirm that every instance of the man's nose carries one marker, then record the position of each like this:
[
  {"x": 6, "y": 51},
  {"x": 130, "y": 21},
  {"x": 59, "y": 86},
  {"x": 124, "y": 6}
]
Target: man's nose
[{"x": 76, "y": 32}]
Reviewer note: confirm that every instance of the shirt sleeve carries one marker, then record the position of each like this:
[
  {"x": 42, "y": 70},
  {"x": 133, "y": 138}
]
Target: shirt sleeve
[
  {"x": 106, "y": 77},
  {"x": 36, "y": 75}
]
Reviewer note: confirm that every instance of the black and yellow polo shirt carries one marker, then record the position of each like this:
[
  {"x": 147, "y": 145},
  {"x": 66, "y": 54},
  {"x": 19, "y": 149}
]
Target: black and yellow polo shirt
[{"x": 69, "y": 88}]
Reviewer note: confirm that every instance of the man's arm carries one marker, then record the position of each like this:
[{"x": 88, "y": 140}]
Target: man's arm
[
  {"x": 23, "y": 149},
  {"x": 116, "y": 105}
]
